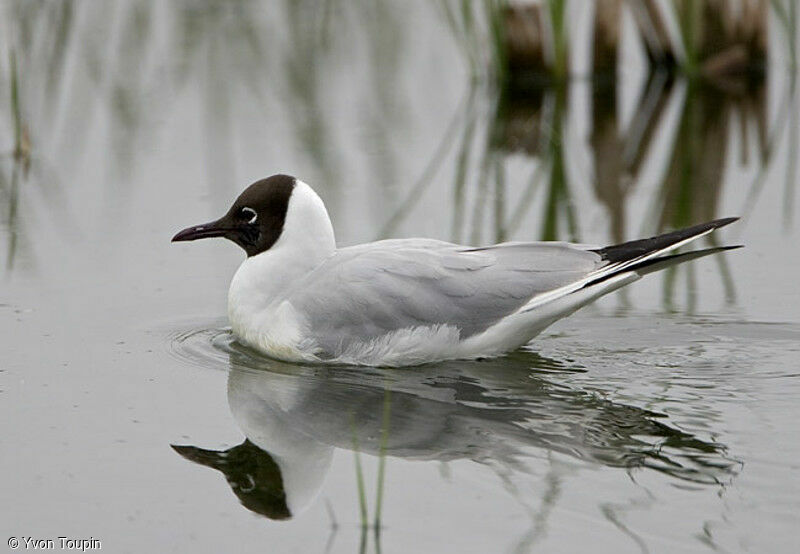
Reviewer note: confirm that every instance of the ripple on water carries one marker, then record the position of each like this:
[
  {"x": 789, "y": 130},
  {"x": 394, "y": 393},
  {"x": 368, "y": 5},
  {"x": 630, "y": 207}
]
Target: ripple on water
[
  {"x": 208, "y": 346},
  {"x": 214, "y": 346}
]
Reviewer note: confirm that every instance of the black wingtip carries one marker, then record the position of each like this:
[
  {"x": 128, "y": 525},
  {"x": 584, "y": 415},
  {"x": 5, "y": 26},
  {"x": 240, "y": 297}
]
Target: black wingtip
[
  {"x": 701, "y": 227},
  {"x": 717, "y": 223},
  {"x": 733, "y": 247},
  {"x": 638, "y": 248}
]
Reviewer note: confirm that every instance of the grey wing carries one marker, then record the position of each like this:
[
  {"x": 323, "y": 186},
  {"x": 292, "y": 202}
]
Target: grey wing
[{"x": 366, "y": 291}]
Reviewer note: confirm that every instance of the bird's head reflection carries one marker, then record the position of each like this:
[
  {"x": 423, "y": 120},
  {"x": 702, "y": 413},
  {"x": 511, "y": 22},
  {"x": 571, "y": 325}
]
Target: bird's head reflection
[
  {"x": 251, "y": 473},
  {"x": 496, "y": 411}
]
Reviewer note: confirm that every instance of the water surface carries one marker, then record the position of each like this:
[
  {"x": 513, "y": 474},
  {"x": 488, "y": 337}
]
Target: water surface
[{"x": 661, "y": 419}]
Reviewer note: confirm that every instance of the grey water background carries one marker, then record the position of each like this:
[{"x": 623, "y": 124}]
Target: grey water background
[{"x": 661, "y": 419}]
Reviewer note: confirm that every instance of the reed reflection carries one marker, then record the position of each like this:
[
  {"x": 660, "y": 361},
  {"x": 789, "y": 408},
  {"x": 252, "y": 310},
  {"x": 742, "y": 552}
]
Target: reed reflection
[{"x": 225, "y": 60}]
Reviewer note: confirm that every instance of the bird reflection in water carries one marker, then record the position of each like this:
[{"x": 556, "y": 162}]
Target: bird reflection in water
[
  {"x": 497, "y": 412},
  {"x": 251, "y": 473}
]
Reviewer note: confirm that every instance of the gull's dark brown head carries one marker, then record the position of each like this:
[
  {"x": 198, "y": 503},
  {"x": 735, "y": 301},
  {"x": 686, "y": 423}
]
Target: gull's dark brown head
[{"x": 256, "y": 219}]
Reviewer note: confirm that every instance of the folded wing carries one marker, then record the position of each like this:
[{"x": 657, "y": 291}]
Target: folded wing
[{"x": 369, "y": 290}]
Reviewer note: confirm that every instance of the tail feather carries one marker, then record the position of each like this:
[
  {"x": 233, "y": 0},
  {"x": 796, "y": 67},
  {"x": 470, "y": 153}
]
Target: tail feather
[
  {"x": 625, "y": 263},
  {"x": 636, "y": 258}
]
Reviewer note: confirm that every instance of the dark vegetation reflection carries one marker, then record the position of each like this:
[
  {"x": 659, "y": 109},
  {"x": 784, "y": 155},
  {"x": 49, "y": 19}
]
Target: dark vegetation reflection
[
  {"x": 519, "y": 104},
  {"x": 503, "y": 413}
]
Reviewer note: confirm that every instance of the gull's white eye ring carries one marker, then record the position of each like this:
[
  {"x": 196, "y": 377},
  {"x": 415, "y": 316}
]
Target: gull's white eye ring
[{"x": 251, "y": 213}]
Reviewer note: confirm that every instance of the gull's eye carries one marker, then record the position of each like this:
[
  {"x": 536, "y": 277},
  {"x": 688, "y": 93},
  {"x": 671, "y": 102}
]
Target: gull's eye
[{"x": 248, "y": 214}]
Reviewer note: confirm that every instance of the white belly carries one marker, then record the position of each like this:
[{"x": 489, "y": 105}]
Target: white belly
[{"x": 275, "y": 330}]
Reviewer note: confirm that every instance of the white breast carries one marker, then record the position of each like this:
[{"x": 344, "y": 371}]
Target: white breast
[{"x": 257, "y": 308}]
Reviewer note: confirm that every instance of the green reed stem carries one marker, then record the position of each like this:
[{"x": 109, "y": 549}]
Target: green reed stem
[
  {"x": 387, "y": 409},
  {"x": 558, "y": 12},
  {"x": 362, "y": 496},
  {"x": 15, "y": 105},
  {"x": 494, "y": 10}
]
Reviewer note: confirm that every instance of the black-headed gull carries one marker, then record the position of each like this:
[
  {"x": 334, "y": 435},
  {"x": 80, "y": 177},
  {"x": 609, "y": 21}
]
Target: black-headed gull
[{"x": 298, "y": 297}]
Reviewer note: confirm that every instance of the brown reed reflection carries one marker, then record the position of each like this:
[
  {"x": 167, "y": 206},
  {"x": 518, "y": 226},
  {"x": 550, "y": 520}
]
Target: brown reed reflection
[{"x": 518, "y": 104}]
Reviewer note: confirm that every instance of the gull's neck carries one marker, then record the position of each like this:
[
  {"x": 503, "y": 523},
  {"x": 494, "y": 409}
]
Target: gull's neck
[{"x": 263, "y": 280}]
